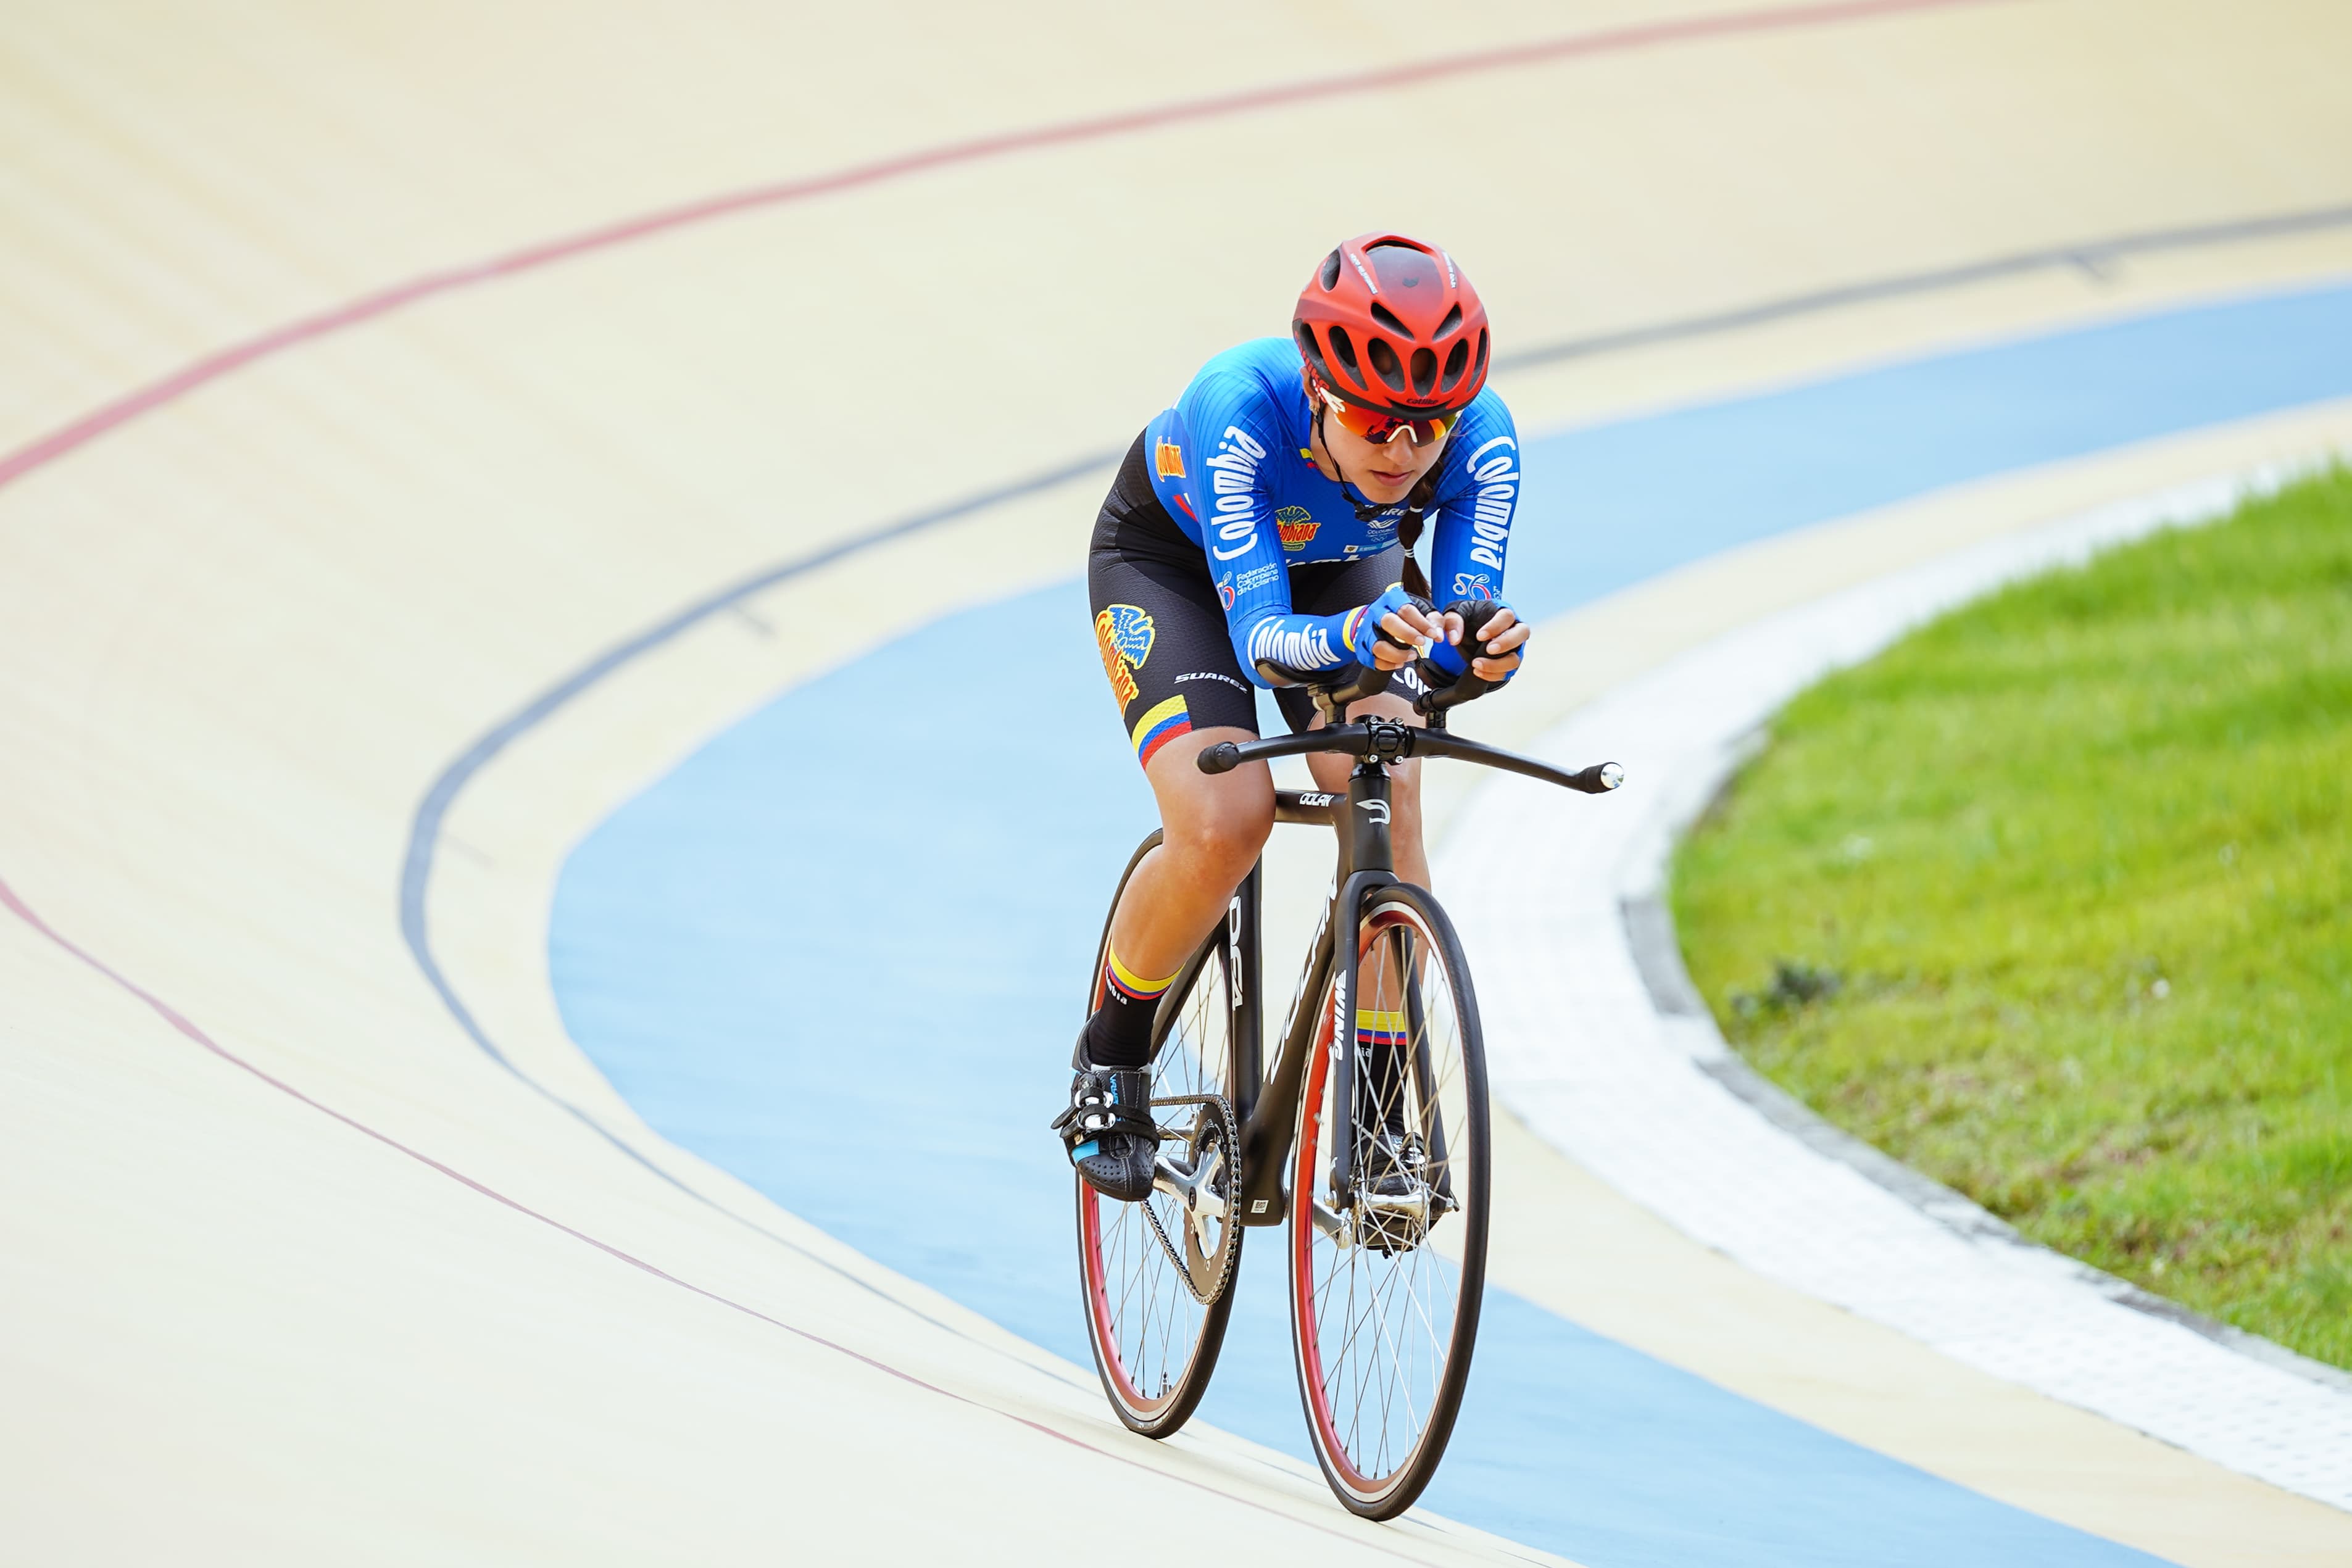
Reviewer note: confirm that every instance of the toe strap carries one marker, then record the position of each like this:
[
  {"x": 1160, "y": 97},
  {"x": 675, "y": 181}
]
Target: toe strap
[{"x": 1107, "y": 1102}]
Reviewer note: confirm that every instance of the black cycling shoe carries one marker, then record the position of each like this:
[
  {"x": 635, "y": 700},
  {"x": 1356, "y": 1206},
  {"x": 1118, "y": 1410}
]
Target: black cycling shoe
[{"x": 1109, "y": 1130}]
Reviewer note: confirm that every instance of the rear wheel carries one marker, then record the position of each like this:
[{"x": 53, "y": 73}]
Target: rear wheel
[
  {"x": 1387, "y": 1270},
  {"x": 1155, "y": 1272}
]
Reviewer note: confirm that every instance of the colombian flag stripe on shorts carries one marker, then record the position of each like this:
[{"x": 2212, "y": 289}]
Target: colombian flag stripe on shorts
[{"x": 1158, "y": 727}]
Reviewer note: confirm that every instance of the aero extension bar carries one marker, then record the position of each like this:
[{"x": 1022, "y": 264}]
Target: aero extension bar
[{"x": 1386, "y": 740}]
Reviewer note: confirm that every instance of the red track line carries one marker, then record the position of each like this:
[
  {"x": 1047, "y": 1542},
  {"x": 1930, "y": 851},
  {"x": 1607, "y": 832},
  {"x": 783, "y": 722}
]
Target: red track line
[
  {"x": 182, "y": 1022},
  {"x": 367, "y": 308}
]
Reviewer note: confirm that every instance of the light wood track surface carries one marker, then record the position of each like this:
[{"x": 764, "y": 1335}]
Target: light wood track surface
[{"x": 289, "y": 1270}]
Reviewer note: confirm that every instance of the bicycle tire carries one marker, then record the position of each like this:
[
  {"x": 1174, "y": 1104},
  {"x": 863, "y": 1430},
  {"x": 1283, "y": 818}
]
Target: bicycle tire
[
  {"x": 1385, "y": 1305},
  {"x": 1155, "y": 1342}
]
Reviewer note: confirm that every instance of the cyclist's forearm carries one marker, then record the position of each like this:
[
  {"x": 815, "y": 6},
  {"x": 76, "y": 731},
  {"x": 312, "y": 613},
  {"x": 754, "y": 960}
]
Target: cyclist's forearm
[{"x": 1299, "y": 642}]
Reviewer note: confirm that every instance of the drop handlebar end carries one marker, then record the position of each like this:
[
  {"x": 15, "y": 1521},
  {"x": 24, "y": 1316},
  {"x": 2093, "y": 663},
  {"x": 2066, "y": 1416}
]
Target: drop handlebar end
[{"x": 1224, "y": 757}]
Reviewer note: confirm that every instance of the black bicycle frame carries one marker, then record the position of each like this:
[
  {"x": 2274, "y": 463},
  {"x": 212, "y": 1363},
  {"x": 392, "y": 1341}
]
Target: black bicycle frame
[{"x": 1266, "y": 1104}]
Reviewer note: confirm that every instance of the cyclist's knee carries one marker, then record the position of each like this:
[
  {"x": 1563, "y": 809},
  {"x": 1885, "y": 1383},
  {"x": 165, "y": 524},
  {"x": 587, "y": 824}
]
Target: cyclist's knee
[{"x": 1226, "y": 837}]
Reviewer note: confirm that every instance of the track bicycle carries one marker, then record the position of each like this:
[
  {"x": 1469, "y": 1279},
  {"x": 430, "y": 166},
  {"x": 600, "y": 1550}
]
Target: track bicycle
[{"x": 1370, "y": 1143}]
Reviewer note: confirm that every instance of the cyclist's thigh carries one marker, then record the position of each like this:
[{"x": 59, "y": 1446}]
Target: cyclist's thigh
[{"x": 1161, "y": 634}]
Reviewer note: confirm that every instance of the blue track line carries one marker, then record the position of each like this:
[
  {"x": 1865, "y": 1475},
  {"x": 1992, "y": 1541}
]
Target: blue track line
[{"x": 853, "y": 984}]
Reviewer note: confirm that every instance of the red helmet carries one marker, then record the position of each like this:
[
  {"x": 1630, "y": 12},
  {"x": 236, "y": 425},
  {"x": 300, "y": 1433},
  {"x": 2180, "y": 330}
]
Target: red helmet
[{"x": 1391, "y": 324}]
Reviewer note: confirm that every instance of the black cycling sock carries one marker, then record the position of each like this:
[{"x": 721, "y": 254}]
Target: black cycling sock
[{"x": 1119, "y": 1034}]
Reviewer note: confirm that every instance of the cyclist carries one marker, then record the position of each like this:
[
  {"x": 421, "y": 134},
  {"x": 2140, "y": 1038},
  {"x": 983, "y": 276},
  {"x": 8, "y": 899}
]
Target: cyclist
[{"x": 1269, "y": 519}]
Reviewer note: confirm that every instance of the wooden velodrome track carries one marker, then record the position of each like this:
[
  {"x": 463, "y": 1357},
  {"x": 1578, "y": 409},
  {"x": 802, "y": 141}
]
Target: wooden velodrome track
[{"x": 370, "y": 370}]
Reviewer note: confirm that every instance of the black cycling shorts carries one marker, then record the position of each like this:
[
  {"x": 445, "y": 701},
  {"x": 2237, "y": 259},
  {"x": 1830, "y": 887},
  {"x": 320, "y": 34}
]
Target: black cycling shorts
[{"x": 1162, "y": 632}]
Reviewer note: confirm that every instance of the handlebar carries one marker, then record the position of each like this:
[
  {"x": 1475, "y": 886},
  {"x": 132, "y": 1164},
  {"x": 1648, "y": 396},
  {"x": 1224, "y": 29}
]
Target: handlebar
[{"x": 1386, "y": 740}]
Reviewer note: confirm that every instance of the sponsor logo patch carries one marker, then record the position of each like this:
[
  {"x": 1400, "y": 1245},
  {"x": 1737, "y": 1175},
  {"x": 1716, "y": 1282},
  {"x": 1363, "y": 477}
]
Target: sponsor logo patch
[
  {"x": 1297, "y": 526},
  {"x": 1168, "y": 458},
  {"x": 1123, "y": 634}
]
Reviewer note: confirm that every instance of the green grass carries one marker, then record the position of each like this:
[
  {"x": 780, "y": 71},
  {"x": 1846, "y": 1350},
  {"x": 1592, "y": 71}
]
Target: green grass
[{"x": 2053, "y": 901}]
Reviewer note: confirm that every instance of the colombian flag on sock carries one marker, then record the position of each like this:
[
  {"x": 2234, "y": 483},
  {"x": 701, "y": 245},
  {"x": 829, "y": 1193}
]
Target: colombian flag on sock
[
  {"x": 1129, "y": 984},
  {"x": 1376, "y": 1028},
  {"x": 1159, "y": 727}
]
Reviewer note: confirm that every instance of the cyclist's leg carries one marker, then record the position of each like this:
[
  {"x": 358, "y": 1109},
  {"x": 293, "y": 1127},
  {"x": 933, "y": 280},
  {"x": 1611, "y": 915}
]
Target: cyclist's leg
[
  {"x": 1213, "y": 829},
  {"x": 1161, "y": 634}
]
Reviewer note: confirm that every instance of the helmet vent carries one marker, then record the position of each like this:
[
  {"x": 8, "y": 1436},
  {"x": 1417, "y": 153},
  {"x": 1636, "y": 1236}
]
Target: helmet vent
[
  {"x": 1308, "y": 349},
  {"x": 1424, "y": 371},
  {"x": 1447, "y": 328},
  {"x": 1345, "y": 352},
  {"x": 1456, "y": 362},
  {"x": 1330, "y": 274},
  {"x": 1384, "y": 360},
  {"x": 1388, "y": 318},
  {"x": 1480, "y": 369}
]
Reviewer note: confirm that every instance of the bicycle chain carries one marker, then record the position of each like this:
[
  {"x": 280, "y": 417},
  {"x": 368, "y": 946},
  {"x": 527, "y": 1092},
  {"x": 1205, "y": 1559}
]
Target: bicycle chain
[{"x": 1223, "y": 1114}]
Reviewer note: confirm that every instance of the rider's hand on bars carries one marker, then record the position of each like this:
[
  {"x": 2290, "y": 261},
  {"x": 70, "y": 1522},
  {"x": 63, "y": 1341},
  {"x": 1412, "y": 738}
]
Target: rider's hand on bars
[
  {"x": 1505, "y": 632},
  {"x": 1409, "y": 627}
]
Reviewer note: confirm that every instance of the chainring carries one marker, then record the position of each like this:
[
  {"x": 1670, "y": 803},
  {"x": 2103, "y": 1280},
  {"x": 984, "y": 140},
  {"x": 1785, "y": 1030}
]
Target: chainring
[{"x": 1213, "y": 1128}]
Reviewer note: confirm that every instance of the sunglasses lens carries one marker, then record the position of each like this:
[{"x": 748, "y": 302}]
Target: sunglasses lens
[{"x": 1382, "y": 429}]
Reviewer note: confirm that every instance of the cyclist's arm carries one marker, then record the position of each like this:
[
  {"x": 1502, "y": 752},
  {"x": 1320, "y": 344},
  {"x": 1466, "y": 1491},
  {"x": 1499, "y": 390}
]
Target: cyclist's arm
[
  {"x": 1472, "y": 532},
  {"x": 1229, "y": 484},
  {"x": 1471, "y": 543}
]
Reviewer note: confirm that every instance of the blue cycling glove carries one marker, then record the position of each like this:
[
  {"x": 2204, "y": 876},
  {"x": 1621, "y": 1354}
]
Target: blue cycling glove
[
  {"x": 1365, "y": 629},
  {"x": 1452, "y": 661}
]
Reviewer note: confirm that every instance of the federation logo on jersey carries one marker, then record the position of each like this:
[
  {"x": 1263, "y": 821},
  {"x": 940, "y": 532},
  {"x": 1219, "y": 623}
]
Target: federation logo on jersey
[
  {"x": 1168, "y": 458},
  {"x": 1123, "y": 633},
  {"x": 1473, "y": 585},
  {"x": 1297, "y": 526},
  {"x": 1225, "y": 591}
]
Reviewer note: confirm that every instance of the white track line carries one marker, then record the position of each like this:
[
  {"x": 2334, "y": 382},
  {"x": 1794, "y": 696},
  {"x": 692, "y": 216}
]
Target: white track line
[{"x": 1645, "y": 1097}]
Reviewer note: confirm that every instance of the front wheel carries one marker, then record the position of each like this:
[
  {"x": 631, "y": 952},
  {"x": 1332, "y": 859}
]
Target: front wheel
[{"x": 1388, "y": 1246}]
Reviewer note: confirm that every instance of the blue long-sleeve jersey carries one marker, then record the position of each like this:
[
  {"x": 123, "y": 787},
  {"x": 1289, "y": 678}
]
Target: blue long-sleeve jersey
[{"x": 1230, "y": 463}]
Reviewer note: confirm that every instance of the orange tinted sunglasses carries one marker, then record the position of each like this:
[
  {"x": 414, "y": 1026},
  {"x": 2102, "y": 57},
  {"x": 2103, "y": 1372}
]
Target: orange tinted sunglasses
[{"x": 1380, "y": 429}]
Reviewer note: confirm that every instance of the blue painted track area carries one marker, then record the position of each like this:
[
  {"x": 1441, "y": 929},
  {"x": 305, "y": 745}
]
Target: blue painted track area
[{"x": 840, "y": 951}]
